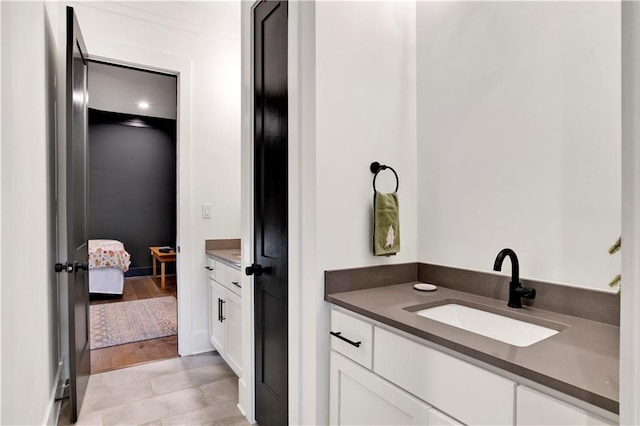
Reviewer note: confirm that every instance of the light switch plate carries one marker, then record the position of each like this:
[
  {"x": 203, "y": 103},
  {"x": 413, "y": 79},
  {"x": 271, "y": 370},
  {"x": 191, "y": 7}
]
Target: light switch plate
[{"x": 206, "y": 211}]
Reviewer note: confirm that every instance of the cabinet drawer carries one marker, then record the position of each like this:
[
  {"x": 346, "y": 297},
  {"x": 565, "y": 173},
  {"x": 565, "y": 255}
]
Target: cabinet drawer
[
  {"x": 233, "y": 277},
  {"x": 212, "y": 266},
  {"x": 228, "y": 277},
  {"x": 355, "y": 330},
  {"x": 462, "y": 390}
]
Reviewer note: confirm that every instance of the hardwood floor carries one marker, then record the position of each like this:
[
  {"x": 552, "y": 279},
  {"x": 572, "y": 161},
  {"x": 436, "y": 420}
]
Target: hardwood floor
[{"x": 115, "y": 357}]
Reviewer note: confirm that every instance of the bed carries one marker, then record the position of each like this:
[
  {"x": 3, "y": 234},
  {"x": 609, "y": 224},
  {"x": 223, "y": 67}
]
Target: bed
[{"x": 108, "y": 261}]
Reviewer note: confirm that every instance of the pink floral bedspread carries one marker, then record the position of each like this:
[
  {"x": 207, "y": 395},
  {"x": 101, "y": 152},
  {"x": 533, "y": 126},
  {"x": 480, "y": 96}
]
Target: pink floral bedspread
[{"x": 108, "y": 254}]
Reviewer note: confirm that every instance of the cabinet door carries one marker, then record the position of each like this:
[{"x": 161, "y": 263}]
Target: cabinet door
[
  {"x": 359, "y": 397},
  {"x": 535, "y": 408},
  {"x": 216, "y": 326},
  {"x": 436, "y": 418},
  {"x": 467, "y": 392},
  {"x": 233, "y": 332}
]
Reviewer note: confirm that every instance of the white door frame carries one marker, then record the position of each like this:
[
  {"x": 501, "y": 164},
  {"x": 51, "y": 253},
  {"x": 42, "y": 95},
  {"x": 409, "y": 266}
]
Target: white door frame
[
  {"x": 121, "y": 54},
  {"x": 246, "y": 385},
  {"x": 630, "y": 294}
]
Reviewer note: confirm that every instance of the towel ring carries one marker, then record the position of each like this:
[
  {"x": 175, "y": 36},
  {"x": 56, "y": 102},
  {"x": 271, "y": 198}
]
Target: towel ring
[{"x": 376, "y": 168}]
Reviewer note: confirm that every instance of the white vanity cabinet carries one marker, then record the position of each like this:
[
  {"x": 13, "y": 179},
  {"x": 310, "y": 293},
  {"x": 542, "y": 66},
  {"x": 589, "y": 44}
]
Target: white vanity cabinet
[
  {"x": 380, "y": 375},
  {"x": 536, "y": 408},
  {"x": 225, "y": 329}
]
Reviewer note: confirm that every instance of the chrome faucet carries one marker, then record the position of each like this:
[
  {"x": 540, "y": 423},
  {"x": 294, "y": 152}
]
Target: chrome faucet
[{"x": 516, "y": 291}]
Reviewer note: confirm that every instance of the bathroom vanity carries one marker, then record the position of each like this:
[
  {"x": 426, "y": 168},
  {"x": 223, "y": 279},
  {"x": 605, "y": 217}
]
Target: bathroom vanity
[
  {"x": 390, "y": 365},
  {"x": 225, "y": 326}
]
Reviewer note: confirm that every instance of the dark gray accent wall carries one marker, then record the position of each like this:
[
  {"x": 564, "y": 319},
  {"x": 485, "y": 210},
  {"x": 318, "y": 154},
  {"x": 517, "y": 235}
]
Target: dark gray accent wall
[{"x": 132, "y": 183}]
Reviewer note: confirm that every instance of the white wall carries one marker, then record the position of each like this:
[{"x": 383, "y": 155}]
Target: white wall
[
  {"x": 211, "y": 165},
  {"x": 365, "y": 111},
  {"x": 1, "y": 84},
  {"x": 519, "y": 136},
  {"x": 29, "y": 339}
]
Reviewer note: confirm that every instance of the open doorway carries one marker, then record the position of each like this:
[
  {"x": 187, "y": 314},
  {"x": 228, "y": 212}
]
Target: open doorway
[{"x": 132, "y": 216}]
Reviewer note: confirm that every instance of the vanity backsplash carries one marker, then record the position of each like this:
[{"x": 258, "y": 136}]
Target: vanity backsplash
[{"x": 580, "y": 302}]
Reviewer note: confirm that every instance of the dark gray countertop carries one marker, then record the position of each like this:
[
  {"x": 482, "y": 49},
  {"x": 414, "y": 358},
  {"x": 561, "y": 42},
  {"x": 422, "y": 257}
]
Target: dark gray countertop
[
  {"x": 229, "y": 256},
  {"x": 582, "y": 360}
]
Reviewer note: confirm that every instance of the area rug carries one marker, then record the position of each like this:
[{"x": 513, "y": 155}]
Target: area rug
[{"x": 125, "y": 322}]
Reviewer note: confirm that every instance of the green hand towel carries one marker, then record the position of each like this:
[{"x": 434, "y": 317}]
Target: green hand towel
[{"x": 386, "y": 224}]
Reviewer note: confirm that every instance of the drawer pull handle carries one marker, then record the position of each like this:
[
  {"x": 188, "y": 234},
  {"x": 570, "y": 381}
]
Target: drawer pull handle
[
  {"x": 339, "y": 336},
  {"x": 236, "y": 284}
]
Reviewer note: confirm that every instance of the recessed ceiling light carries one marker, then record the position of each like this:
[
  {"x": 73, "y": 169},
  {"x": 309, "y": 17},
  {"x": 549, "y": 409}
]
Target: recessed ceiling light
[{"x": 143, "y": 105}]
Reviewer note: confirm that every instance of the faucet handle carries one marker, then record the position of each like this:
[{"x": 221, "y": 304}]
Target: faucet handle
[{"x": 527, "y": 293}]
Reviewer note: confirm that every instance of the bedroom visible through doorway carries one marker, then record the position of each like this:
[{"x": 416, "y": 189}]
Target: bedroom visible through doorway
[{"x": 132, "y": 210}]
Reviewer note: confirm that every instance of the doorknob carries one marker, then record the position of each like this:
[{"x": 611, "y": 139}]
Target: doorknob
[
  {"x": 256, "y": 269},
  {"x": 67, "y": 267},
  {"x": 81, "y": 265}
]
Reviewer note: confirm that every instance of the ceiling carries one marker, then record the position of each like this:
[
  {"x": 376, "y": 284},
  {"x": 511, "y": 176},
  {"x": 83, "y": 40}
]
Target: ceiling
[{"x": 118, "y": 89}]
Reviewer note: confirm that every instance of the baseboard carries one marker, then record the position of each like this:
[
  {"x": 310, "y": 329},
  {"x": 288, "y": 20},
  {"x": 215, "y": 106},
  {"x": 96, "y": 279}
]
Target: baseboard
[
  {"x": 141, "y": 271},
  {"x": 138, "y": 271},
  {"x": 53, "y": 407},
  {"x": 200, "y": 352}
]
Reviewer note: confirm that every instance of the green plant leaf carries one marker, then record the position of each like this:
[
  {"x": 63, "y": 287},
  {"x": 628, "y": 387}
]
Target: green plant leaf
[
  {"x": 616, "y": 281},
  {"x": 616, "y": 246}
]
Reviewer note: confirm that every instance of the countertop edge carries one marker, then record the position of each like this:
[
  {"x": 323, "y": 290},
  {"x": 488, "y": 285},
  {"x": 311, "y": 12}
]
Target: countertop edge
[
  {"x": 585, "y": 395},
  {"x": 221, "y": 258}
]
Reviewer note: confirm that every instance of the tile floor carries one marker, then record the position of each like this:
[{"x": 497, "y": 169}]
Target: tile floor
[{"x": 193, "y": 390}]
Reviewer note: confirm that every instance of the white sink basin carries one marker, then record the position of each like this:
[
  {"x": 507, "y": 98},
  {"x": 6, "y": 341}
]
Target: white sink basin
[{"x": 505, "y": 329}]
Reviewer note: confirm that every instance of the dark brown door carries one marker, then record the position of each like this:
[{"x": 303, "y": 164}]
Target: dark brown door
[
  {"x": 76, "y": 127},
  {"x": 271, "y": 219}
]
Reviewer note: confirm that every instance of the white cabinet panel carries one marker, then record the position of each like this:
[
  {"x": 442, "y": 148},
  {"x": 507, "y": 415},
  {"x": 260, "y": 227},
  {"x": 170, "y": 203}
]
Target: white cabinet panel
[
  {"x": 233, "y": 332},
  {"x": 216, "y": 326},
  {"x": 465, "y": 391},
  {"x": 225, "y": 324},
  {"x": 359, "y": 397},
  {"x": 436, "y": 418},
  {"x": 355, "y": 330},
  {"x": 535, "y": 408}
]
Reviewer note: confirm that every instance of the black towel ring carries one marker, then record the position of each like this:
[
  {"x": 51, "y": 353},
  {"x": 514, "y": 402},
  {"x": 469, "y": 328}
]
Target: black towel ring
[{"x": 376, "y": 168}]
